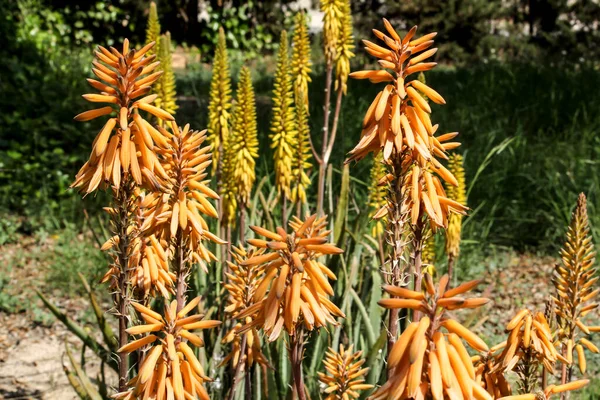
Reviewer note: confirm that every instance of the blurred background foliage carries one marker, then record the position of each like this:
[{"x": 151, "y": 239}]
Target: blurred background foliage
[{"x": 518, "y": 76}]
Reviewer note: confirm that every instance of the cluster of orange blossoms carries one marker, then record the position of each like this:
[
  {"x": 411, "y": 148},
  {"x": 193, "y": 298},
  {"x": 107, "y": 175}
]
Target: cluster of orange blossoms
[
  {"x": 398, "y": 124},
  {"x": 161, "y": 198},
  {"x": 345, "y": 377},
  {"x": 178, "y": 214},
  {"x": 169, "y": 368},
  {"x": 126, "y": 143},
  {"x": 148, "y": 263},
  {"x": 299, "y": 287},
  {"x": 426, "y": 361},
  {"x": 529, "y": 334},
  {"x": 242, "y": 283}
]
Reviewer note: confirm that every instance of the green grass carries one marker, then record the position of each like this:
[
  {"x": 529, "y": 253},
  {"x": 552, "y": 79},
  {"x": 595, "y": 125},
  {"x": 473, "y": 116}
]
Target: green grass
[{"x": 74, "y": 253}]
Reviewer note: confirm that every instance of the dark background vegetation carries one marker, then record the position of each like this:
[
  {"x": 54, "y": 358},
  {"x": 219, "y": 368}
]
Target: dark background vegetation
[{"x": 520, "y": 78}]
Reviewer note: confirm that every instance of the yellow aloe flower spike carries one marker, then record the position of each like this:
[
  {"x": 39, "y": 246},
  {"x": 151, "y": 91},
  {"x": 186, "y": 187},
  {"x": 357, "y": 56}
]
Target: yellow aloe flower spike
[
  {"x": 345, "y": 377},
  {"x": 332, "y": 24},
  {"x": 153, "y": 29},
  {"x": 344, "y": 48},
  {"x": 125, "y": 79},
  {"x": 426, "y": 362},
  {"x": 242, "y": 282},
  {"x": 283, "y": 123},
  {"x": 428, "y": 254},
  {"x": 458, "y": 194},
  {"x": 301, "y": 63},
  {"x": 170, "y": 368},
  {"x": 377, "y": 196},
  {"x": 165, "y": 88},
  {"x": 301, "y": 164},
  {"x": 220, "y": 101},
  {"x": 295, "y": 288},
  {"x": 575, "y": 283},
  {"x": 241, "y": 150}
]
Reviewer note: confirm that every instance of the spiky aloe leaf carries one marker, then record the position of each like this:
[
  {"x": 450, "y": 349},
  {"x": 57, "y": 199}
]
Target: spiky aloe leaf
[
  {"x": 86, "y": 385},
  {"x": 371, "y": 338},
  {"x": 342, "y": 206},
  {"x": 78, "y": 331},
  {"x": 75, "y": 383},
  {"x": 107, "y": 333}
]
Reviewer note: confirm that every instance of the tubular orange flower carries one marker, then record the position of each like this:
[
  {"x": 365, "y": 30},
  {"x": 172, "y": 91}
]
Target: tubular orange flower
[
  {"x": 398, "y": 124},
  {"x": 242, "y": 283},
  {"x": 426, "y": 362},
  {"x": 529, "y": 345},
  {"x": 170, "y": 370},
  {"x": 179, "y": 214},
  {"x": 299, "y": 286},
  {"x": 549, "y": 391},
  {"x": 345, "y": 377},
  {"x": 148, "y": 259},
  {"x": 399, "y": 115},
  {"x": 123, "y": 78}
]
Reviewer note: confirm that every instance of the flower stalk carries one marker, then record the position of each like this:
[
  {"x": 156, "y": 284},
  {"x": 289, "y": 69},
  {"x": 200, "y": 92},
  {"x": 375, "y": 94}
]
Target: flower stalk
[{"x": 339, "y": 46}]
